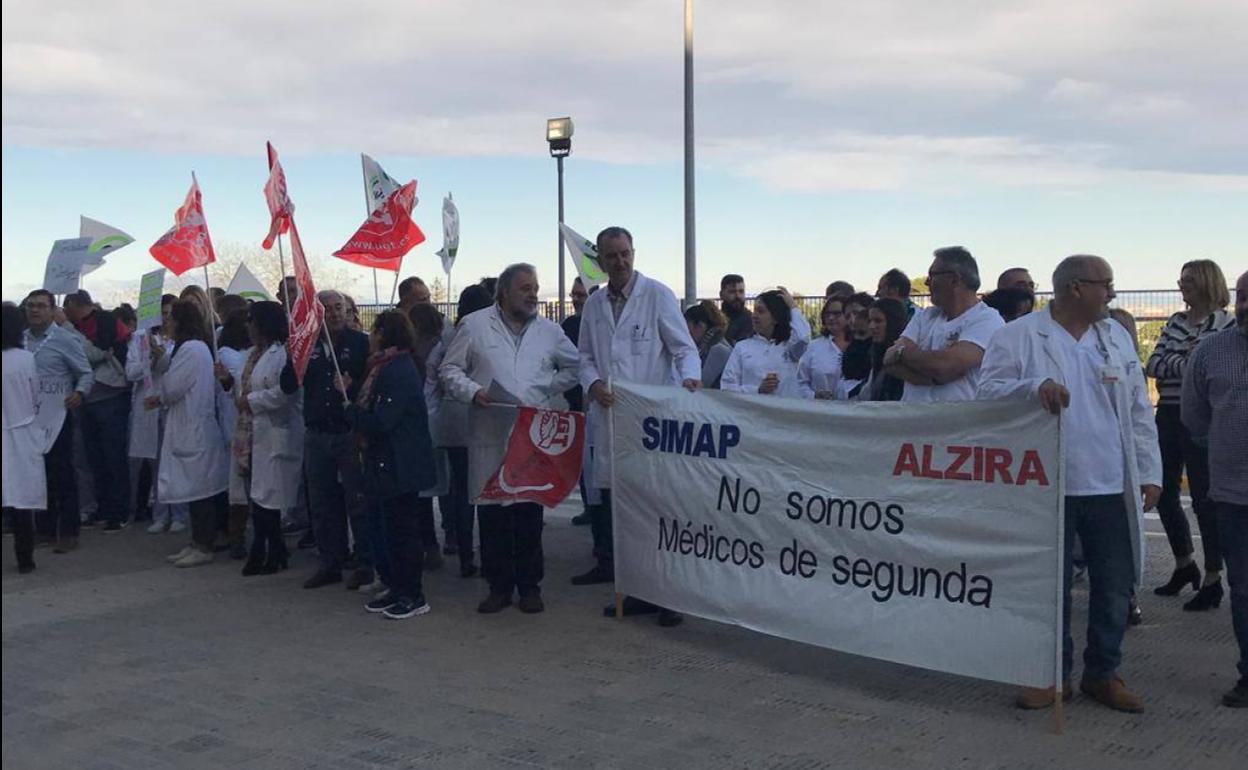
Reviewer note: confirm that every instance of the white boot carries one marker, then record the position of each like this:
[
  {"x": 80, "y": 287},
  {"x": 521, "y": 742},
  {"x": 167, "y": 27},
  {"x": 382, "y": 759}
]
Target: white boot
[
  {"x": 176, "y": 557},
  {"x": 159, "y": 524},
  {"x": 195, "y": 558}
]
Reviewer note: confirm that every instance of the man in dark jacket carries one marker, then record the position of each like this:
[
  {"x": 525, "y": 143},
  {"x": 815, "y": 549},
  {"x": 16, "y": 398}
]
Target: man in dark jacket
[{"x": 330, "y": 461}]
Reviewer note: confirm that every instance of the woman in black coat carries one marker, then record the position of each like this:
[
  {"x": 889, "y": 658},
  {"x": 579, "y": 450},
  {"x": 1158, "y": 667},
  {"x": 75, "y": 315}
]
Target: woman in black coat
[{"x": 392, "y": 427}]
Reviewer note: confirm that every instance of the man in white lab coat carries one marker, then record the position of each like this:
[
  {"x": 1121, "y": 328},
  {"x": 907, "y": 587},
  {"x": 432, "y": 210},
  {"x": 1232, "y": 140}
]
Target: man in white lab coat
[
  {"x": 632, "y": 332},
  {"x": 1072, "y": 359},
  {"x": 529, "y": 357}
]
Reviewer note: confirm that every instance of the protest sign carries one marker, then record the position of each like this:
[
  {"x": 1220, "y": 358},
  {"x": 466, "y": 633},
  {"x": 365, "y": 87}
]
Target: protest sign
[
  {"x": 64, "y": 266},
  {"x": 543, "y": 459},
  {"x": 151, "y": 286},
  {"x": 920, "y": 534}
]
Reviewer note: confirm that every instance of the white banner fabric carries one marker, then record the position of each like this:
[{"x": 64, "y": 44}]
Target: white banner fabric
[{"x": 923, "y": 534}]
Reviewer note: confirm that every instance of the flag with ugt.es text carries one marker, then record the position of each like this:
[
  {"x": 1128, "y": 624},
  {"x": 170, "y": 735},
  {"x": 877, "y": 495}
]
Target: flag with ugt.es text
[
  {"x": 543, "y": 459},
  {"x": 307, "y": 313},
  {"x": 187, "y": 244},
  {"x": 387, "y": 234},
  {"x": 280, "y": 208}
]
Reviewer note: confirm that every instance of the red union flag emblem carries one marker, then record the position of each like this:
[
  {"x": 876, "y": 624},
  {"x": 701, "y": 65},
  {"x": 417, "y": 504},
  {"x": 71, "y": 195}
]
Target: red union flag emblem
[{"x": 543, "y": 460}]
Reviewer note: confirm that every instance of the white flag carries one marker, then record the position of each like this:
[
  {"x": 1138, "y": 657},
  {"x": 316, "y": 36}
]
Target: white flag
[
  {"x": 450, "y": 234},
  {"x": 377, "y": 183},
  {"x": 584, "y": 256},
  {"x": 63, "y": 270},
  {"x": 105, "y": 239},
  {"x": 246, "y": 285}
]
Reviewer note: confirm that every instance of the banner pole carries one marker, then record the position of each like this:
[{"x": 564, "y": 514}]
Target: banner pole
[
  {"x": 212, "y": 338},
  {"x": 281, "y": 261},
  {"x": 368, "y": 212},
  {"x": 619, "y": 597},
  {"x": 334, "y": 358},
  {"x": 1059, "y": 716},
  {"x": 394, "y": 289}
]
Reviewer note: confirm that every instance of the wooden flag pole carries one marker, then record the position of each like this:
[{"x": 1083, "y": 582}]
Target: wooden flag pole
[
  {"x": 324, "y": 329},
  {"x": 368, "y": 212},
  {"x": 212, "y": 337},
  {"x": 281, "y": 262},
  {"x": 1059, "y": 716}
]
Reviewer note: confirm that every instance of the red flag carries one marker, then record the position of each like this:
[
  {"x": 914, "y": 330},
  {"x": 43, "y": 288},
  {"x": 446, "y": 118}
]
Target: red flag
[
  {"x": 307, "y": 313},
  {"x": 543, "y": 459},
  {"x": 280, "y": 208},
  {"x": 387, "y": 234},
  {"x": 186, "y": 244}
]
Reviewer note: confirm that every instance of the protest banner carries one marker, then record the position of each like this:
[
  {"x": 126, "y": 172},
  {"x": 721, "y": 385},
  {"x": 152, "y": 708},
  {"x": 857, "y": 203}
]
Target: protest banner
[
  {"x": 151, "y": 286},
  {"x": 920, "y": 534},
  {"x": 63, "y": 270},
  {"x": 542, "y": 463}
]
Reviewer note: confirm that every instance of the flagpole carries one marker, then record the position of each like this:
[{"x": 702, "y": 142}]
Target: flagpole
[
  {"x": 368, "y": 212},
  {"x": 281, "y": 261},
  {"x": 212, "y": 338},
  {"x": 324, "y": 329}
]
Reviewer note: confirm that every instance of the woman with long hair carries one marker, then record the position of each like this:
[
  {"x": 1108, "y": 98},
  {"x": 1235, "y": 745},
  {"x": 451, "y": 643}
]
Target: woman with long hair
[
  {"x": 193, "y": 461},
  {"x": 1206, "y": 294},
  {"x": 856, "y": 359},
  {"x": 427, "y": 322},
  {"x": 707, "y": 324},
  {"x": 886, "y": 320},
  {"x": 819, "y": 371},
  {"x": 767, "y": 362},
  {"x": 207, "y": 312},
  {"x": 268, "y": 439},
  {"x": 392, "y": 426},
  {"x": 25, "y": 485}
]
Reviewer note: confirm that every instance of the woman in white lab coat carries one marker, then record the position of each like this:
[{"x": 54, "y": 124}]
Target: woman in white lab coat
[
  {"x": 25, "y": 486},
  {"x": 268, "y": 438},
  {"x": 192, "y": 467},
  {"x": 819, "y": 371},
  {"x": 767, "y": 362}
]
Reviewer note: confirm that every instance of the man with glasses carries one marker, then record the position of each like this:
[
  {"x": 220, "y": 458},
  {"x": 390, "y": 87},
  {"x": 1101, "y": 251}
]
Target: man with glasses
[
  {"x": 65, "y": 378},
  {"x": 939, "y": 353},
  {"x": 1016, "y": 278},
  {"x": 1070, "y": 357}
]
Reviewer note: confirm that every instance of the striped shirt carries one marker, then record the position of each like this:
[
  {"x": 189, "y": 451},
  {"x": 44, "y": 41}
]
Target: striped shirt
[
  {"x": 1215, "y": 404},
  {"x": 1177, "y": 341}
]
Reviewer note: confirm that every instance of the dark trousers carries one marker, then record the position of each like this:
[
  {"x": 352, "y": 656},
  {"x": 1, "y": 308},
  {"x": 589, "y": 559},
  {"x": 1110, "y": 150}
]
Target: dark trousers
[
  {"x": 398, "y": 553},
  {"x": 604, "y": 537},
  {"x": 511, "y": 547},
  {"x": 23, "y": 523},
  {"x": 105, "y": 428},
  {"x": 1179, "y": 452},
  {"x": 267, "y": 545},
  {"x": 460, "y": 507},
  {"x": 1100, "y": 521},
  {"x": 61, "y": 518},
  {"x": 1233, "y": 520},
  {"x": 424, "y": 522},
  {"x": 335, "y": 497},
  {"x": 204, "y": 523}
]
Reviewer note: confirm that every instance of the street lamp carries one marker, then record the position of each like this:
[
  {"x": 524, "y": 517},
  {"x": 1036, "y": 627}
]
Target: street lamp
[{"x": 559, "y": 137}]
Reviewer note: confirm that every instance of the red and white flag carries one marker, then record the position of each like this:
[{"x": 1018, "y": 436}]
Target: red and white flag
[
  {"x": 280, "y": 208},
  {"x": 387, "y": 234},
  {"x": 307, "y": 313},
  {"x": 186, "y": 244},
  {"x": 543, "y": 459}
]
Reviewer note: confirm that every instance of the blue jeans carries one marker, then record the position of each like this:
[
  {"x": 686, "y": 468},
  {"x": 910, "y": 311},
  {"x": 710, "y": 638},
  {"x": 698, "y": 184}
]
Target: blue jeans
[
  {"x": 1233, "y": 527},
  {"x": 1100, "y": 521},
  {"x": 105, "y": 431},
  {"x": 398, "y": 553}
]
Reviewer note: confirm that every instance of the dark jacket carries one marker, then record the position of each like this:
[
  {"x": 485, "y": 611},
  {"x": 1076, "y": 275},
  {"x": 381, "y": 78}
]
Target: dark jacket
[
  {"x": 740, "y": 327},
  {"x": 572, "y": 328},
  {"x": 397, "y": 454},
  {"x": 322, "y": 401}
]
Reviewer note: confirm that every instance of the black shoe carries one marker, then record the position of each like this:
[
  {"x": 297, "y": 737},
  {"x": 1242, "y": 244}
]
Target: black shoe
[
  {"x": 292, "y": 528},
  {"x": 433, "y": 558},
  {"x": 113, "y": 527},
  {"x": 467, "y": 570},
  {"x": 1134, "y": 616},
  {"x": 670, "y": 618},
  {"x": 583, "y": 519},
  {"x": 493, "y": 603},
  {"x": 1189, "y": 573},
  {"x": 406, "y": 608},
  {"x": 254, "y": 565},
  {"x": 238, "y": 552},
  {"x": 599, "y": 574},
  {"x": 307, "y": 541},
  {"x": 25, "y": 569},
  {"x": 632, "y": 606},
  {"x": 450, "y": 549},
  {"x": 1207, "y": 598},
  {"x": 88, "y": 523},
  {"x": 531, "y": 603},
  {"x": 1237, "y": 698},
  {"x": 383, "y": 602},
  {"x": 275, "y": 563},
  {"x": 361, "y": 576},
  {"x": 323, "y": 577}
]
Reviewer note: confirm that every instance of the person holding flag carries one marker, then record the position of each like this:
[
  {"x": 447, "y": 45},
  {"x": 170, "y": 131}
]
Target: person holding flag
[{"x": 508, "y": 350}]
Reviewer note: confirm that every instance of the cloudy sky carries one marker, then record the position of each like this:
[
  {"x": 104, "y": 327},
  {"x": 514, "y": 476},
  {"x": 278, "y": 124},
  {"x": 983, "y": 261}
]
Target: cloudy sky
[{"x": 835, "y": 139}]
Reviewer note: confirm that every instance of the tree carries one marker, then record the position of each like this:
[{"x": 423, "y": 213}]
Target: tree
[
  {"x": 265, "y": 265},
  {"x": 437, "y": 292}
]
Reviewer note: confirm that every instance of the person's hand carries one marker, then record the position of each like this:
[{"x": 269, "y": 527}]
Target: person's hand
[
  {"x": 1053, "y": 397},
  {"x": 222, "y": 374},
  {"x": 600, "y": 393},
  {"x": 1151, "y": 494},
  {"x": 73, "y": 400},
  {"x": 893, "y": 354},
  {"x": 342, "y": 382},
  {"x": 480, "y": 398},
  {"x": 769, "y": 383},
  {"x": 151, "y": 402},
  {"x": 158, "y": 352},
  {"x": 692, "y": 385},
  {"x": 59, "y": 317},
  {"x": 787, "y": 297}
]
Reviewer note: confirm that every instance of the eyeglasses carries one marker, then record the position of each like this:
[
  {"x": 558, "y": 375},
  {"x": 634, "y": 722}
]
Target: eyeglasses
[
  {"x": 933, "y": 273},
  {"x": 1108, "y": 283}
]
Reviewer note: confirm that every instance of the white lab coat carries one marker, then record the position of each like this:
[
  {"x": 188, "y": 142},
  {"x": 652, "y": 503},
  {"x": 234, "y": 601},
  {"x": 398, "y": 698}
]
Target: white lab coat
[
  {"x": 1022, "y": 355},
  {"x": 536, "y": 371},
  {"x": 276, "y": 437},
  {"x": 820, "y": 368},
  {"x": 25, "y": 486},
  {"x": 193, "y": 463},
  {"x": 144, "y": 423},
  {"x": 227, "y": 411},
  {"x": 754, "y": 358},
  {"x": 650, "y": 345}
]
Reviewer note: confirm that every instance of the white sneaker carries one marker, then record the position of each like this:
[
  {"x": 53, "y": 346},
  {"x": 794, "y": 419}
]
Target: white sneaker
[
  {"x": 195, "y": 558},
  {"x": 158, "y": 526},
  {"x": 372, "y": 588},
  {"x": 177, "y": 526},
  {"x": 176, "y": 557}
]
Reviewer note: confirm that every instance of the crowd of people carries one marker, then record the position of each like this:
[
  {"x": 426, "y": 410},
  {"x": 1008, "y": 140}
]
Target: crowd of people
[{"x": 201, "y": 425}]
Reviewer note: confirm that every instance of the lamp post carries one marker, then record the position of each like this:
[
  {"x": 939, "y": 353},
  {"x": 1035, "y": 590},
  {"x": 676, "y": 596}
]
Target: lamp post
[{"x": 559, "y": 137}]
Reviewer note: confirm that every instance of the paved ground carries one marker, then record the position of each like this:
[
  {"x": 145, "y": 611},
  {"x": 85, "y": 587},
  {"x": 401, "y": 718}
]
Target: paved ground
[{"x": 114, "y": 660}]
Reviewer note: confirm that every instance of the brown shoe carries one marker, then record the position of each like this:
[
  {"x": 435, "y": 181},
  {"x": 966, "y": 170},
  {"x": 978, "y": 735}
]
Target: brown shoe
[
  {"x": 1113, "y": 693},
  {"x": 494, "y": 603},
  {"x": 1032, "y": 698},
  {"x": 65, "y": 545}
]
